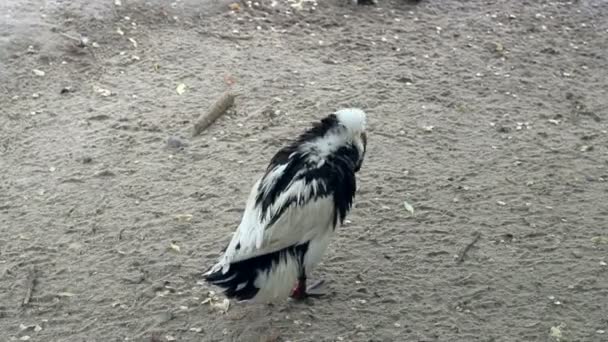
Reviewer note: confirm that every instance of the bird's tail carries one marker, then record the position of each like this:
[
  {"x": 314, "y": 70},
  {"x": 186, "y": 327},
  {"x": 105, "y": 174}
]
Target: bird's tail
[{"x": 260, "y": 278}]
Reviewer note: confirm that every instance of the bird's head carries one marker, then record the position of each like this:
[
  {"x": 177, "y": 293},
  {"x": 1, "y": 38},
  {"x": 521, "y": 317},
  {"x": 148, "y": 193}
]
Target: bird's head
[
  {"x": 339, "y": 135},
  {"x": 352, "y": 123}
]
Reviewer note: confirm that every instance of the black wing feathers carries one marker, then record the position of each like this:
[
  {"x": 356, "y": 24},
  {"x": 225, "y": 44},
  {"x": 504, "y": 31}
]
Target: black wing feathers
[{"x": 336, "y": 176}]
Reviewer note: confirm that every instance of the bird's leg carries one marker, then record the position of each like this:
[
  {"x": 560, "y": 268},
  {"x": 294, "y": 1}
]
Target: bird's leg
[{"x": 301, "y": 292}]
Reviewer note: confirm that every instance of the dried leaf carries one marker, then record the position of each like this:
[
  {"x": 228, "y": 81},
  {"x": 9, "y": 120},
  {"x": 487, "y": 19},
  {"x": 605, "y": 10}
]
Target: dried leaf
[
  {"x": 556, "y": 332},
  {"x": 38, "y": 72},
  {"x": 223, "y": 306},
  {"x": 408, "y": 207},
  {"x": 119, "y": 31},
  {"x": 181, "y": 88},
  {"x": 133, "y": 42},
  {"x": 103, "y": 92},
  {"x": 175, "y": 247},
  {"x": 234, "y": 6},
  {"x": 600, "y": 240},
  {"x": 184, "y": 217}
]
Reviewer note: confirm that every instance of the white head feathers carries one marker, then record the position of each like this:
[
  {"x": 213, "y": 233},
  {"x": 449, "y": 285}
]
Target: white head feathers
[
  {"x": 354, "y": 119},
  {"x": 345, "y": 126}
]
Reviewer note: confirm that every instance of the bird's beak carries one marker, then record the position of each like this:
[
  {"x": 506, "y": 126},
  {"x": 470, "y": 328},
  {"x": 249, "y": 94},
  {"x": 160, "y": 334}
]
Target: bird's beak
[
  {"x": 364, "y": 139},
  {"x": 360, "y": 162}
]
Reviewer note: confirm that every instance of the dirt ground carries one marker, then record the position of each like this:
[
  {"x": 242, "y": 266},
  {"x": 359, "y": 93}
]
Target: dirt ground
[{"x": 488, "y": 117}]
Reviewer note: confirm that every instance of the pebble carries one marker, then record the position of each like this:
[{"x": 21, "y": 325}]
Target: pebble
[
  {"x": 105, "y": 173},
  {"x": 175, "y": 142}
]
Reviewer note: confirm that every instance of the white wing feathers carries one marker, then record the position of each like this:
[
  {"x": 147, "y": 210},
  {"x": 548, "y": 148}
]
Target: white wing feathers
[{"x": 303, "y": 219}]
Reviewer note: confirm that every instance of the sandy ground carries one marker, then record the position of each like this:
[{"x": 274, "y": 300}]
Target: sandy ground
[{"x": 488, "y": 117}]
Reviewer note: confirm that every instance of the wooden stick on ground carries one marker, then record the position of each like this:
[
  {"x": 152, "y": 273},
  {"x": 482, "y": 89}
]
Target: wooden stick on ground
[
  {"x": 29, "y": 283},
  {"x": 218, "y": 109},
  {"x": 467, "y": 247}
]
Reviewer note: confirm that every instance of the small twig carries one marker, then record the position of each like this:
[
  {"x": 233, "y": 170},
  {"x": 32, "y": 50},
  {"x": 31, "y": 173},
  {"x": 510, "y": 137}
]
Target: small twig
[
  {"x": 82, "y": 41},
  {"x": 120, "y": 233},
  {"x": 30, "y": 283},
  {"x": 226, "y": 36},
  {"x": 218, "y": 109},
  {"x": 467, "y": 247},
  {"x": 231, "y": 37},
  {"x": 87, "y": 326},
  {"x": 70, "y": 37}
]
